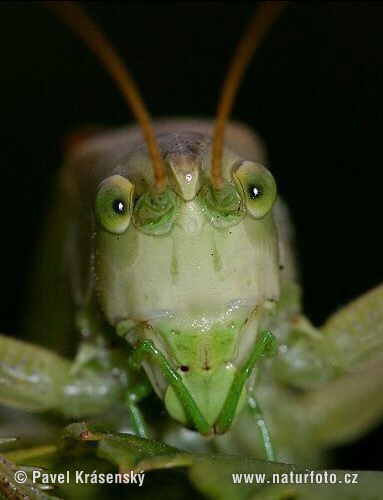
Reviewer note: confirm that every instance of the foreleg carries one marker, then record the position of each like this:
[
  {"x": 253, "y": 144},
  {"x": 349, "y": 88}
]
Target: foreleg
[{"x": 36, "y": 379}]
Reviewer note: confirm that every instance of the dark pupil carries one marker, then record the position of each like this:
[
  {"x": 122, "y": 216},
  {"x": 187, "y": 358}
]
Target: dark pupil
[
  {"x": 119, "y": 206},
  {"x": 255, "y": 191}
]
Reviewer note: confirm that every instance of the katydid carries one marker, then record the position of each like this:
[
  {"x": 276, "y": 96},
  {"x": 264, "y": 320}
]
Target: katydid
[{"x": 176, "y": 256}]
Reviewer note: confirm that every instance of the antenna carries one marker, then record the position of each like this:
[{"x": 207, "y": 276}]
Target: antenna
[
  {"x": 77, "y": 19},
  {"x": 264, "y": 17}
]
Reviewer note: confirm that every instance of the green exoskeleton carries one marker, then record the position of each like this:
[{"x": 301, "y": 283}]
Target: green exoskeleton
[{"x": 191, "y": 275}]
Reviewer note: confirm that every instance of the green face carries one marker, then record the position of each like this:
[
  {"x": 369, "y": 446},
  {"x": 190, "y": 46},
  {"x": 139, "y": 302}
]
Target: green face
[{"x": 191, "y": 268}]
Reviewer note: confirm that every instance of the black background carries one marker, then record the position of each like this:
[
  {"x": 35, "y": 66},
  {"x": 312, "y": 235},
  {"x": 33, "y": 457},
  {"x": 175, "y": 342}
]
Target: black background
[{"x": 313, "y": 92}]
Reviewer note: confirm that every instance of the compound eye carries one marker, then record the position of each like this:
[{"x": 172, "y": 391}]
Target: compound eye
[
  {"x": 257, "y": 187},
  {"x": 114, "y": 204}
]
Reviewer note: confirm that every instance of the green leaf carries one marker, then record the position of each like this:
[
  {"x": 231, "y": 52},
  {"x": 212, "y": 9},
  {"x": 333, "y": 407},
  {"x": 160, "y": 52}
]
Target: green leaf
[
  {"x": 128, "y": 451},
  {"x": 212, "y": 475}
]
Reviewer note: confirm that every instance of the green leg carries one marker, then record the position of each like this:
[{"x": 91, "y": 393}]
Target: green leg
[
  {"x": 226, "y": 417},
  {"x": 35, "y": 379},
  {"x": 133, "y": 396},
  {"x": 147, "y": 348},
  {"x": 264, "y": 435}
]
